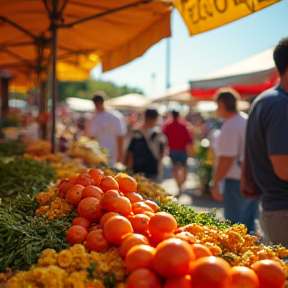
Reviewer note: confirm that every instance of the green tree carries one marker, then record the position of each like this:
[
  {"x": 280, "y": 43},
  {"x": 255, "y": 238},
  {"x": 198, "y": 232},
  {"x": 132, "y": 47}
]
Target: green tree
[{"x": 86, "y": 89}]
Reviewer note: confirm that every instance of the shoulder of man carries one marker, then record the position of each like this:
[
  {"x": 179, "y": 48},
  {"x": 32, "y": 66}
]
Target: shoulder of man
[
  {"x": 269, "y": 96},
  {"x": 159, "y": 135},
  {"x": 137, "y": 134}
]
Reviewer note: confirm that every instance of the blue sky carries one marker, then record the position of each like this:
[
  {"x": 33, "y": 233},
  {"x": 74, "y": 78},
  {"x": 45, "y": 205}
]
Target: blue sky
[{"x": 191, "y": 57}]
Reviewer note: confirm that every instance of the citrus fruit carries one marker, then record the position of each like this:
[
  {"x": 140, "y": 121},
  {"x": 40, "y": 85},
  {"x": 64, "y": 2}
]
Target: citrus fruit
[
  {"x": 140, "y": 256},
  {"x": 96, "y": 241},
  {"x": 116, "y": 228},
  {"x": 143, "y": 278},
  {"x": 162, "y": 222},
  {"x": 76, "y": 234},
  {"x": 208, "y": 272},
  {"x": 126, "y": 183},
  {"x": 90, "y": 209},
  {"x": 97, "y": 175},
  {"x": 130, "y": 241},
  {"x": 108, "y": 183},
  {"x": 172, "y": 258},
  {"x": 243, "y": 277},
  {"x": 92, "y": 191},
  {"x": 74, "y": 194},
  {"x": 270, "y": 274},
  {"x": 81, "y": 222}
]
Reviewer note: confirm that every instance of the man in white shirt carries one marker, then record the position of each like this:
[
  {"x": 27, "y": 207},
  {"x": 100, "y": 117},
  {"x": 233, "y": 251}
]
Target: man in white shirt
[
  {"x": 230, "y": 149},
  {"x": 108, "y": 127}
]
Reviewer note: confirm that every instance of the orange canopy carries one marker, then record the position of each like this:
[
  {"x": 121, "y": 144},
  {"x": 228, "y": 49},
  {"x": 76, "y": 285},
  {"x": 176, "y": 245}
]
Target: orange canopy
[{"x": 112, "y": 38}]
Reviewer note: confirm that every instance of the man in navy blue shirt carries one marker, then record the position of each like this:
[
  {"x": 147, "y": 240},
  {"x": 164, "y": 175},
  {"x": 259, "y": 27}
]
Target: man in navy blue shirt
[{"x": 267, "y": 151}]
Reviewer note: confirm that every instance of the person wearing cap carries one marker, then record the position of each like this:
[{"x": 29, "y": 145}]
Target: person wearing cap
[
  {"x": 230, "y": 151},
  {"x": 146, "y": 148},
  {"x": 108, "y": 127},
  {"x": 179, "y": 139}
]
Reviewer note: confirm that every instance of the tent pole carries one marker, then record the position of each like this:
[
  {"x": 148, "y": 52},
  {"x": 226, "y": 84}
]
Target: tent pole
[{"x": 54, "y": 86}]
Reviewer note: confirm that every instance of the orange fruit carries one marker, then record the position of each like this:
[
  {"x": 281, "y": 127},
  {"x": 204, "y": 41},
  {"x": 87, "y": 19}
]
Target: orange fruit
[
  {"x": 140, "y": 208},
  {"x": 97, "y": 175},
  {"x": 113, "y": 202},
  {"x": 140, "y": 256},
  {"x": 139, "y": 223},
  {"x": 152, "y": 204},
  {"x": 63, "y": 187},
  {"x": 74, "y": 194},
  {"x": 76, "y": 234},
  {"x": 107, "y": 216},
  {"x": 116, "y": 228},
  {"x": 90, "y": 209},
  {"x": 130, "y": 241},
  {"x": 96, "y": 241},
  {"x": 126, "y": 183},
  {"x": 187, "y": 236},
  {"x": 161, "y": 223},
  {"x": 134, "y": 197},
  {"x": 149, "y": 214},
  {"x": 210, "y": 272},
  {"x": 270, "y": 274},
  {"x": 178, "y": 282},
  {"x": 92, "y": 191},
  {"x": 160, "y": 237},
  {"x": 143, "y": 278},
  {"x": 108, "y": 183},
  {"x": 84, "y": 179},
  {"x": 201, "y": 251},
  {"x": 73, "y": 179},
  {"x": 81, "y": 222},
  {"x": 172, "y": 258},
  {"x": 243, "y": 277},
  {"x": 109, "y": 198}
]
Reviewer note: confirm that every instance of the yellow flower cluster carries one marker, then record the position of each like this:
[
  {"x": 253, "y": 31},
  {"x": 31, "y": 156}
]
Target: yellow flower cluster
[
  {"x": 71, "y": 268},
  {"x": 235, "y": 245},
  {"x": 51, "y": 205}
]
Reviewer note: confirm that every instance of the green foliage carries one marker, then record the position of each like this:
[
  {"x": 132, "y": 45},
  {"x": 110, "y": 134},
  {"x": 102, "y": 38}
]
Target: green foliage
[
  {"x": 185, "y": 215},
  {"x": 11, "y": 148},
  {"x": 22, "y": 179},
  {"x": 23, "y": 238},
  {"x": 86, "y": 89}
]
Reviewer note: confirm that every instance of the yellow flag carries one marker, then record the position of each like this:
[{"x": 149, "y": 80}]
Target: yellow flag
[{"x": 204, "y": 15}]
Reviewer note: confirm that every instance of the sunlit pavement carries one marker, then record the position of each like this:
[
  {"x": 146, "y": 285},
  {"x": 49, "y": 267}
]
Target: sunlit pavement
[{"x": 192, "y": 194}]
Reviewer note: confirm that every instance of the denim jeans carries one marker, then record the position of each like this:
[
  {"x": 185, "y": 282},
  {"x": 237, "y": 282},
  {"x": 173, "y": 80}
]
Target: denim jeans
[{"x": 238, "y": 209}]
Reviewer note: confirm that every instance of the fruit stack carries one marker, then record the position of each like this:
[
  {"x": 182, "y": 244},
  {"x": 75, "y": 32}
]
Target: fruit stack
[{"x": 155, "y": 252}]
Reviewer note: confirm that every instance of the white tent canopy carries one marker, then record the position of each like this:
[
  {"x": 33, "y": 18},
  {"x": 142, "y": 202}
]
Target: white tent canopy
[
  {"x": 177, "y": 93},
  {"x": 129, "y": 101},
  {"x": 80, "y": 105},
  {"x": 254, "y": 70}
]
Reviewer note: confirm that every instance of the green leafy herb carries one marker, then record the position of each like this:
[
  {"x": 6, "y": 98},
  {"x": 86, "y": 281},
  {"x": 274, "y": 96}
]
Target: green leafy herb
[
  {"x": 23, "y": 238},
  {"x": 185, "y": 215}
]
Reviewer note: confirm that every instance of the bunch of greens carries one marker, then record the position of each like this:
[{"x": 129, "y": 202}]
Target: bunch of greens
[
  {"x": 22, "y": 179},
  {"x": 23, "y": 238},
  {"x": 185, "y": 215},
  {"x": 11, "y": 148}
]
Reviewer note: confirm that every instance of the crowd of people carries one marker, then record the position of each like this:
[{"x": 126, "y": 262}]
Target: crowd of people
[{"x": 250, "y": 170}]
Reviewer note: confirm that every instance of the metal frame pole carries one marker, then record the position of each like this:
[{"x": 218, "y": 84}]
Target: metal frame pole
[
  {"x": 168, "y": 63},
  {"x": 54, "y": 86}
]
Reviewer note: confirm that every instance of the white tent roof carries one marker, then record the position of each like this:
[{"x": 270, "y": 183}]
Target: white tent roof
[
  {"x": 253, "y": 70},
  {"x": 129, "y": 101},
  {"x": 81, "y": 105},
  {"x": 176, "y": 93}
]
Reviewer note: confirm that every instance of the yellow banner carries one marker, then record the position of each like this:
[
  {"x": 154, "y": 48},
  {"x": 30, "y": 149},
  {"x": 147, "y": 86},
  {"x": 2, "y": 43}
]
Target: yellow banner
[{"x": 204, "y": 15}]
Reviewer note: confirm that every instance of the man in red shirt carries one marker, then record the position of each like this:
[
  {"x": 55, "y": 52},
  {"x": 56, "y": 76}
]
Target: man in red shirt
[{"x": 179, "y": 138}]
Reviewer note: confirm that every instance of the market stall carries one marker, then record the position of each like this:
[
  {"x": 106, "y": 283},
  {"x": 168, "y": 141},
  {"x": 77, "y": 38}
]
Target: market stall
[{"x": 96, "y": 227}]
